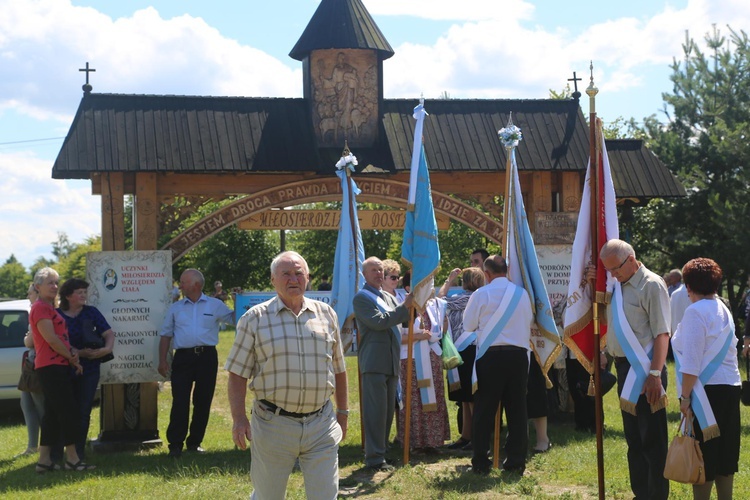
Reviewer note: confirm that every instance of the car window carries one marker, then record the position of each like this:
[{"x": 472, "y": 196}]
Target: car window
[{"x": 13, "y": 327}]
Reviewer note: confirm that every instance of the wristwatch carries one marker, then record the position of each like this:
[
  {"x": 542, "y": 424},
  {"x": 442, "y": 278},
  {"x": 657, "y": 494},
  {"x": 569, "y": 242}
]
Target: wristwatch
[
  {"x": 343, "y": 412},
  {"x": 655, "y": 373}
]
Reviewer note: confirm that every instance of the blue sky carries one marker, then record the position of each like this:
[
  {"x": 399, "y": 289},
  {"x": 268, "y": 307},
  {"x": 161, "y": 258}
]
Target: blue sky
[{"x": 471, "y": 49}]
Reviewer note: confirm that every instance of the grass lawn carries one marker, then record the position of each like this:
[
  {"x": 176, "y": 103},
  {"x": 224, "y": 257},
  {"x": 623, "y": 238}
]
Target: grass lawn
[{"x": 568, "y": 470}]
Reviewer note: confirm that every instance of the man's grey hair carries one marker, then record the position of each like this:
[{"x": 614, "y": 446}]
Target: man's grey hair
[
  {"x": 43, "y": 274},
  {"x": 676, "y": 273},
  {"x": 197, "y": 276},
  {"x": 617, "y": 248},
  {"x": 289, "y": 253}
]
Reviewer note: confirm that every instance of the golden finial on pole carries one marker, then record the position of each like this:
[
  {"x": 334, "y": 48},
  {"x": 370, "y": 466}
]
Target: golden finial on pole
[{"x": 591, "y": 90}]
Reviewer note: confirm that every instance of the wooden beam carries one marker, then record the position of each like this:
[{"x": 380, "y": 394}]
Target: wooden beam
[
  {"x": 112, "y": 201},
  {"x": 571, "y": 191},
  {"x": 145, "y": 211}
]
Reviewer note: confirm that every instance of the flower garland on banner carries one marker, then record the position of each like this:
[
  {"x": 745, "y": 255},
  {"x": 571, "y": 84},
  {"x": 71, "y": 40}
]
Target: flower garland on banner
[
  {"x": 348, "y": 161},
  {"x": 510, "y": 136}
]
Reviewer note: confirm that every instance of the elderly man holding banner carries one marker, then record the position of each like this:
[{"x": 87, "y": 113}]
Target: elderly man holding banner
[
  {"x": 639, "y": 320},
  {"x": 378, "y": 318},
  {"x": 500, "y": 314}
]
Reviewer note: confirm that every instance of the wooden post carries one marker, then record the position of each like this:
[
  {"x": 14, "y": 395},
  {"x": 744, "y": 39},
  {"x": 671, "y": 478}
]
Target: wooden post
[
  {"x": 130, "y": 411},
  {"x": 113, "y": 221},
  {"x": 113, "y": 239},
  {"x": 145, "y": 234}
]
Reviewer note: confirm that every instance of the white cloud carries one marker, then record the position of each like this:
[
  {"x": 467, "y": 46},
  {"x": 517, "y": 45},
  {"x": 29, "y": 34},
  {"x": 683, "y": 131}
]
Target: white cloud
[
  {"x": 35, "y": 208},
  {"x": 503, "y": 58},
  {"x": 450, "y": 10},
  {"x": 44, "y": 42}
]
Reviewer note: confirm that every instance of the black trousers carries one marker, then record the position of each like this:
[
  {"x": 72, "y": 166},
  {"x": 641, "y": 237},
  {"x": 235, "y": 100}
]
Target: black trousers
[
  {"x": 192, "y": 372},
  {"x": 60, "y": 423},
  {"x": 584, "y": 405},
  {"x": 646, "y": 434},
  {"x": 502, "y": 376},
  {"x": 536, "y": 394}
]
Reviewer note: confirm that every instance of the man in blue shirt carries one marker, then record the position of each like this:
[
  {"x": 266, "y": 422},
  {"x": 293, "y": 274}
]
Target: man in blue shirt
[{"x": 192, "y": 328}]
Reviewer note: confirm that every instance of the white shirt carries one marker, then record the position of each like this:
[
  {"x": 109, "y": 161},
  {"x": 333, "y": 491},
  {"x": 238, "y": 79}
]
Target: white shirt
[
  {"x": 678, "y": 302},
  {"x": 482, "y": 305},
  {"x": 699, "y": 328},
  {"x": 194, "y": 324}
]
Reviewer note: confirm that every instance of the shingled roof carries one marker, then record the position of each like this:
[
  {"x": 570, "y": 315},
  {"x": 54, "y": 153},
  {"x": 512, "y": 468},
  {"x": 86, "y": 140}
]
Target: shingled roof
[
  {"x": 185, "y": 134},
  {"x": 341, "y": 24}
]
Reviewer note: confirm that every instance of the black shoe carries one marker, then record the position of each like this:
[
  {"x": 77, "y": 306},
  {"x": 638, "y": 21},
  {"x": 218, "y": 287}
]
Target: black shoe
[
  {"x": 175, "y": 453},
  {"x": 468, "y": 446},
  {"x": 458, "y": 444},
  {"x": 514, "y": 469},
  {"x": 195, "y": 449},
  {"x": 384, "y": 467},
  {"x": 479, "y": 471}
]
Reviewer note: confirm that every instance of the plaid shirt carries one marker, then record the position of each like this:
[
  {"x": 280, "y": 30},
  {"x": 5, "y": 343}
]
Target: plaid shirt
[{"x": 290, "y": 360}]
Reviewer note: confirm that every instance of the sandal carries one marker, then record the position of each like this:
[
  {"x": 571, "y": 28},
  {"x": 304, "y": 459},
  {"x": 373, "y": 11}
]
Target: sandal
[
  {"x": 43, "y": 468},
  {"x": 79, "y": 466}
]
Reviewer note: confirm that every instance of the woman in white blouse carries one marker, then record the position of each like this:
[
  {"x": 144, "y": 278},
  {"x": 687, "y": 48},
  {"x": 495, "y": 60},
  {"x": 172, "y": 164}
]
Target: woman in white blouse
[{"x": 708, "y": 378}]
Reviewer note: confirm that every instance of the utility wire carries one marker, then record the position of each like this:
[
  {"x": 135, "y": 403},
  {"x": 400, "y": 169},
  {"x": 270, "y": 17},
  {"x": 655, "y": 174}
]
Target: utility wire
[{"x": 31, "y": 140}]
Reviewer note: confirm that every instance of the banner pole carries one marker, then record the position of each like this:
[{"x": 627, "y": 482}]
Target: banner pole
[
  {"x": 596, "y": 214},
  {"x": 407, "y": 396},
  {"x": 506, "y": 214}
]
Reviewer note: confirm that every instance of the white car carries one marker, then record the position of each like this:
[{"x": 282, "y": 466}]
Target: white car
[{"x": 14, "y": 323}]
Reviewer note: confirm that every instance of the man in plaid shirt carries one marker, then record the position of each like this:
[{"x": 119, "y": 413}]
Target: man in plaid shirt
[{"x": 289, "y": 349}]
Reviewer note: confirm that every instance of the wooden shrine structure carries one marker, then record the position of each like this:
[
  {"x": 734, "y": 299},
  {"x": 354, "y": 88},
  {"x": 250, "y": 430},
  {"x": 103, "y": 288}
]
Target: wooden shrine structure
[{"x": 280, "y": 152}]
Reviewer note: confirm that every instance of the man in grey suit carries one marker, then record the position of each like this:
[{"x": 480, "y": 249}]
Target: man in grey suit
[{"x": 378, "y": 317}]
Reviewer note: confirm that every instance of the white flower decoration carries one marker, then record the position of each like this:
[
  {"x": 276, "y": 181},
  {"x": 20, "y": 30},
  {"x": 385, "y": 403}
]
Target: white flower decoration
[
  {"x": 510, "y": 136},
  {"x": 347, "y": 161}
]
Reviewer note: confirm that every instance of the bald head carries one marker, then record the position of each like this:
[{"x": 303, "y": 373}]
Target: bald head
[{"x": 495, "y": 267}]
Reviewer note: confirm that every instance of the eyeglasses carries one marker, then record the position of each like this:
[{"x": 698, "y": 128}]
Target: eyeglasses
[
  {"x": 618, "y": 267},
  {"x": 393, "y": 278}
]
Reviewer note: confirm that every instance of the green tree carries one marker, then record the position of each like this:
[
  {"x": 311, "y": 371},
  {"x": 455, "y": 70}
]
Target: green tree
[
  {"x": 235, "y": 257},
  {"x": 73, "y": 264},
  {"x": 14, "y": 280},
  {"x": 62, "y": 246},
  {"x": 40, "y": 263},
  {"x": 705, "y": 145}
]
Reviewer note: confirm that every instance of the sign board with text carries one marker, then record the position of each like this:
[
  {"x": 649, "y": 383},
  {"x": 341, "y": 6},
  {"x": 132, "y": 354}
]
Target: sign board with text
[
  {"x": 329, "y": 219},
  {"x": 132, "y": 291},
  {"x": 555, "y": 228}
]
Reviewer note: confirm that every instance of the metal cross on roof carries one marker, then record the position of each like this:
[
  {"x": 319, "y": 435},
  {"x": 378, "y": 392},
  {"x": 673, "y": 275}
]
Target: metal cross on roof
[
  {"x": 87, "y": 87},
  {"x": 575, "y": 80}
]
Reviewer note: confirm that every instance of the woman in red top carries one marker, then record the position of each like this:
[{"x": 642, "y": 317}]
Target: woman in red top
[{"x": 54, "y": 357}]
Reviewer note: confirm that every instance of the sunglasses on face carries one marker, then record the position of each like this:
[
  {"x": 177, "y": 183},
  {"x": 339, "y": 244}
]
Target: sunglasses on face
[{"x": 393, "y": 278}]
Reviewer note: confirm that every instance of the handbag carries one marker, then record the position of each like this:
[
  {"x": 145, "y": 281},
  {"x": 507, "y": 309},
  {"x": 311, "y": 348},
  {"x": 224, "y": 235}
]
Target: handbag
[
  {"x": 29, "y": 381},
  {"x": 91, "y": 340},
  {"x": 451, "y": 357},
  {"x": 684, "y": 458},
  {"x": 746, "y": 384}
]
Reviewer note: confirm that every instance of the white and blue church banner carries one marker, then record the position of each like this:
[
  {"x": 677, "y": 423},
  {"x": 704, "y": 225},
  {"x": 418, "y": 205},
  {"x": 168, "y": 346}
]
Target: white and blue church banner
[{"x": 132, "y": 290}]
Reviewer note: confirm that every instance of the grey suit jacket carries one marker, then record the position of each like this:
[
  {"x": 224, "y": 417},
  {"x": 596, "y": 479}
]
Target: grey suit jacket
[{"x": 379, "y": 349}]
